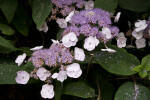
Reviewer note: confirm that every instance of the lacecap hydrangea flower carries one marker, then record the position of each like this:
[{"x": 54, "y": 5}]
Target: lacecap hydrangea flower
[
  {"x": 19, "y": 60},
  {"x": 55, "y": 55},
  {"x": 43, "y": 74},
  {"x": 47, "y": 91},
  {"x": 22, "y": 77},
  {"x": 89, "y": 23},
  {"x": 74, "y": 70}
]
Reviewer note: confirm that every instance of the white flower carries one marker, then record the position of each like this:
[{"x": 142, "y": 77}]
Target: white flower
[
  {"x": 61, "y": 76},
  {"x": 19, "y": 60},
  {"x": 69, "y": 39},
  {"x": 47, "y": 91},
  {"x": 117, "y": 17},
  {"x": 90, "y": 43},
  {"x": 89, "y": 5},
  {"x": 36, "y": 48},
  {"x": 121, "y": 42},
  {"x": 79, "y": 54},
  {"x": 55, "y": 41},
  {"x": 44, "y": 27},
  {"x": 107, "y": 32},
  {"x": 140, "y": 25},
  {"x": 140, "y": 43},
  {"x": 68, "y": 18},
  {"x": 55, "y": 75},
  {"x": 62, "y": 23},
  {"x": 42, "y": 73},
  {"x": 109, "y": 50},
  {"x": 22, "y": 77},
  {"x": 74, "y": 70},
  {"x": 121, "y": 34},
  {"x": 137, "y": 35}
]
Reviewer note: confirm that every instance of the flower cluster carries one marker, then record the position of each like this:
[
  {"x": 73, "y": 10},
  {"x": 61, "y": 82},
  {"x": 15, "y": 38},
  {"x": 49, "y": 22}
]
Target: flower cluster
[
  {"x": 66, "y": 6},
  {"x": 57, "y": 61},
  {"x": 95, "y": 24},
  {"x": 55, "y": 55}
]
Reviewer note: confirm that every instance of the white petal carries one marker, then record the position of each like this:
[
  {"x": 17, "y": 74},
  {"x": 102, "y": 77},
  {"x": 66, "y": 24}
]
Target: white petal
[
  {"x": 68, "y": 18},
  {"x": 22, "y": 77},
  {"x": 20, "y": 59},
  {"x": 55, "y": 41},
  {"x": 36, "y": 48},
  {"x": 79, "y": 54},
  {"x": 140, "y": 23},
  {"x": 137, "y": 35},
  {"x": 109, "y": 50},
  {"x": 44, "y": 27},
  {"x": 140, "y": 43},
  {"x": 117, "y": 17},
  {"x": 62, "y": 23},
  {"x": 54, "y": 76},
  {"x": 89, "y": 5},
  {"x": 107, "y": 32}
]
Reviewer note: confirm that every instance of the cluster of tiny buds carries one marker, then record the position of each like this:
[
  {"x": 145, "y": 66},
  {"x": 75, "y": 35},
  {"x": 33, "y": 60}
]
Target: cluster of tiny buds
[{"x": 64, "y": 7}]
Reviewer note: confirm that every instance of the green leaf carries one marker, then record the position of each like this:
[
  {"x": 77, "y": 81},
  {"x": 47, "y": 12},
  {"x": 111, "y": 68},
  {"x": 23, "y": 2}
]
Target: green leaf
[
  {"x": 149, "y": 76},
  {"x": 143, "y": 73},
  {"x": 27, "y": 67},
  {"x": 108, "y": 5},
  {"x": 135, "y": 5},
  {"x": 59, "y": 34},
  {"x": 119, "y": 63},
  {"x": 7, "y": 44},
  {"x": 6, "y": 29},
  {"x": 137, "y": 68},
  {"x": 31, "y": 3},
  {"x": 78, "y": 89},
  {"x": 131, "y": 91},
  {"x": 26, "y": 50},
  {"x": 20, "y": 21},
  {"x": 146, "y": 63},
  {"x": 5, "y": 50},
  {"x": 58, "y": 90},
  {"x": 40, "y": 11},
  {"x": 8, "y": 8},
  {"x": 8, "y": 70},
  {"x": 107, "y": 91}
]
